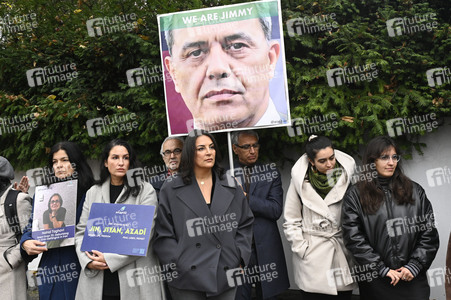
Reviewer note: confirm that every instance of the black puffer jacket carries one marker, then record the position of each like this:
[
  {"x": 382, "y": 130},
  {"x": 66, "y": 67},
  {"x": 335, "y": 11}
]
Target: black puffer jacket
[{"x": 395, "y": 236}]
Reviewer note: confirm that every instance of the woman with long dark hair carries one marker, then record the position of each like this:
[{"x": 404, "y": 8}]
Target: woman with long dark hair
[
  {"x": 66, "y": 162},
  {"x": 204, "y": 223},
  {"x": 388, "y": 226},
  {"x": 106, "y": 275},
  {"x": 312, "y": 213}
]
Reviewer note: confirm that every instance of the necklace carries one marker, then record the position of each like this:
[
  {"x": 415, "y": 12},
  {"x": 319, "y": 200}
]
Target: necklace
[{"x": 202, "y": 182}]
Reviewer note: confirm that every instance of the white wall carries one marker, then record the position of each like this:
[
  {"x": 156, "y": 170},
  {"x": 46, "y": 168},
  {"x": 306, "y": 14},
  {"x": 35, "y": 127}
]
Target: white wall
[{"x": 436, "y": 155}]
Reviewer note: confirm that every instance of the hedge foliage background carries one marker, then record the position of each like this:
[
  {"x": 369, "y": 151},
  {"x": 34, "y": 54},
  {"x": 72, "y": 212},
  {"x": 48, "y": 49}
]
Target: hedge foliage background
[{"x": 62, "y": 109}]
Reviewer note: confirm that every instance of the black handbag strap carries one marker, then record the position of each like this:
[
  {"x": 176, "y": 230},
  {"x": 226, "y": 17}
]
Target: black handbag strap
[{"x": 11, "y": 213}]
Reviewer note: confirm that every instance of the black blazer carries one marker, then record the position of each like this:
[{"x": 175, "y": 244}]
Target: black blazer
[
  {"x": 203, "y": 243},
  {"x": 266, "y": 203}
]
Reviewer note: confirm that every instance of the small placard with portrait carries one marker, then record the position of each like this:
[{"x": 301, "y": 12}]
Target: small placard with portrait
[{"x": 54, "y": 214}]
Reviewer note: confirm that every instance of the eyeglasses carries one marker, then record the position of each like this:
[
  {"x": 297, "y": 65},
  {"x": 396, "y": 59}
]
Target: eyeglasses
[
  {"x": 394, "y": 157},
  {"x": 176, "y": 151},
  {"x": 248, "y": 146},
  {"x": 54, "y": 201}
]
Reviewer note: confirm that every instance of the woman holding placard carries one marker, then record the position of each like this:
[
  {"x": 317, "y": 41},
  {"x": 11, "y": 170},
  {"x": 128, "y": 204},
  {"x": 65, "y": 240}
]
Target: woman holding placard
[
  {"x": 66, "y": 162},
  {"x": 110, "y": 275},
  {"x": 192, "y": 228}
]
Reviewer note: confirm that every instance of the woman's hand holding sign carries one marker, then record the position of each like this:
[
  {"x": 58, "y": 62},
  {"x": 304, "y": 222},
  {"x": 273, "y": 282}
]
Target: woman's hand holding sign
[{"x": 98, "y": 260}]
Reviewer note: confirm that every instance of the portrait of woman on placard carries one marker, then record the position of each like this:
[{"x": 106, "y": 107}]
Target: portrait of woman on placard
[
  {"x": 67, "y": 162},
  {"x": 55, "y": 215},
  {"x": 388, "y": 226}
]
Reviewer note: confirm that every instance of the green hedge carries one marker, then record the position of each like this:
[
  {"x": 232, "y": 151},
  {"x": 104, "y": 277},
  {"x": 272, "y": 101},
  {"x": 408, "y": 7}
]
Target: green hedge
[{"x": 60, "y": 110}]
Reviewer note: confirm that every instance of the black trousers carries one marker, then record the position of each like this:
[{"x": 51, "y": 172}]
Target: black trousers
[
  {"x": 380, "y": 288},
  {"x": 346, "y": 295}
]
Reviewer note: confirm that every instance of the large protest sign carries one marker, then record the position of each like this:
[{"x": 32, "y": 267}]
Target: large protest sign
[
  {"x": 224, "y": 68},
  {"x": 119, "y": 228},
  {"x": 54, "y": 213}
]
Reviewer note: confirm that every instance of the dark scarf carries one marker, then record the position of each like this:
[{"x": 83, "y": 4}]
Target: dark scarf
[
  {"x": 384, "y": 182},
  {"x": 323, "y": 183}
]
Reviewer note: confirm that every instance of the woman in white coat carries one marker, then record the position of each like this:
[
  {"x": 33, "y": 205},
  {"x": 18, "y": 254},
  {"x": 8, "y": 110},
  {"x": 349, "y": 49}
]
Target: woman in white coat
[
  {"x": 109, "y": 275},
  {"x": 312, "y": 213},
  {"x": 13, "y": 282}
]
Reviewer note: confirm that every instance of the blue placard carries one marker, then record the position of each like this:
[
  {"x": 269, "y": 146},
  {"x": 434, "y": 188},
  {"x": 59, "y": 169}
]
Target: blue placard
[
  {"x": 54, "y": 234},
  {"x": 119, "y": 228}
]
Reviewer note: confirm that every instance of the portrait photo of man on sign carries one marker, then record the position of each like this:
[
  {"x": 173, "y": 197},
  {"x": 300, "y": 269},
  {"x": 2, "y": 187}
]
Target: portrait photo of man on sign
[{"x": 226, "y": 68}]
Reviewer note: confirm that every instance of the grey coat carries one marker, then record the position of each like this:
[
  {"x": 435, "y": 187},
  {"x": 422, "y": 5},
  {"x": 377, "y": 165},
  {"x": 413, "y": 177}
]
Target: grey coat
[
  {"x": 203, "y": 243},
  {"x": 138, "y": 275},
  {"x": 13, "y": 282}
]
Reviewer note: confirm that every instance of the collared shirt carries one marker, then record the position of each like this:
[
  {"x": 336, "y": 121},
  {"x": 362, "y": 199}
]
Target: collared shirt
[{"x": 271, "y": 116}]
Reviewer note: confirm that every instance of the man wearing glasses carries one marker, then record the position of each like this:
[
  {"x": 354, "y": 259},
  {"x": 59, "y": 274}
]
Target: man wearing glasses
[
  {"x": 171, "y": 151},
  {"x": 262, "y": 186}
]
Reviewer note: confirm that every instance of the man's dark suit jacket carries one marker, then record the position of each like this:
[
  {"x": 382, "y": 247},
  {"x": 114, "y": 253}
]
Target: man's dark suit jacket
[{"x": 266, "y": 202}]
